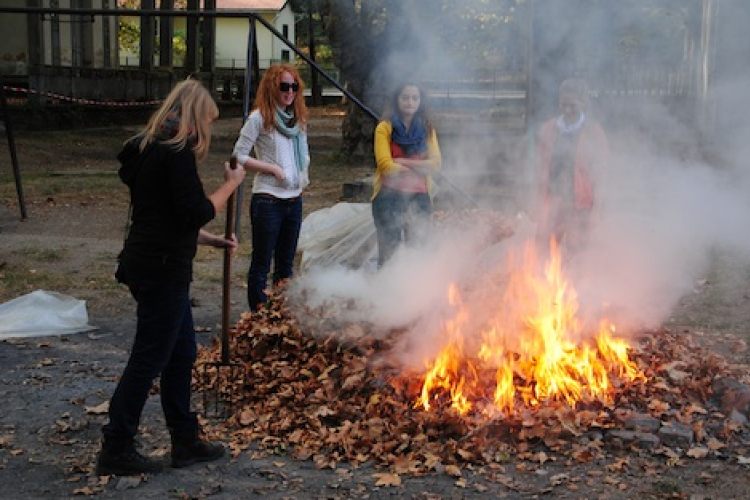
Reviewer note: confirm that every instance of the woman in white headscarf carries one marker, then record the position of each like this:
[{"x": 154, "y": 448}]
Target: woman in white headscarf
[{"x": 572, "y": 149}]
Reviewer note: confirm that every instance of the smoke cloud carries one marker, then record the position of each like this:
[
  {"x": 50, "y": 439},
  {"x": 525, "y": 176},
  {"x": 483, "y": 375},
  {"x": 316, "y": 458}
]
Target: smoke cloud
[{"x": 674, "y": 193}]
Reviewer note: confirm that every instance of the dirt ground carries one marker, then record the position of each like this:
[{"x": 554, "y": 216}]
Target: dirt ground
[{"x": 52, "y": 387}]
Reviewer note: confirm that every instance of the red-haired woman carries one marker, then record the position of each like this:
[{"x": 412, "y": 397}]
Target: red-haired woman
[{"x": 277, "y": 130}]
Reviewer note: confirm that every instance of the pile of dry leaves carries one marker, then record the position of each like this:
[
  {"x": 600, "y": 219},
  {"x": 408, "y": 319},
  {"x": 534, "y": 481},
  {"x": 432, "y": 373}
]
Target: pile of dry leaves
[{"x": 331, "y": 394}]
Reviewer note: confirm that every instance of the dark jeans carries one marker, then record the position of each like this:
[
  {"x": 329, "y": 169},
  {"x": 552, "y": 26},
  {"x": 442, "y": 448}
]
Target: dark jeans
[
  {"x": 399, "y": 218},
  {"x": 164, "y": 345},
  {"x": 275, "y": 230}
]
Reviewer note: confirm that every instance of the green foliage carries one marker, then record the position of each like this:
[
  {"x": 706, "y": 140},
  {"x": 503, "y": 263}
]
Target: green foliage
[
  {"x": 179, "y": 44},
  {"x": 129, "y": 35},
  {"x": 129, "y": 30},
  {"x": 301, "y": 8},
  {"x": 480, "y": 30}
]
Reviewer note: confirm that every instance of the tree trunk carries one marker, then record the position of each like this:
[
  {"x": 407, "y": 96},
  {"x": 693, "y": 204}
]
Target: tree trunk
[
  {"x": 353, "y": 43},
  {"x": 705, "y": 119}
]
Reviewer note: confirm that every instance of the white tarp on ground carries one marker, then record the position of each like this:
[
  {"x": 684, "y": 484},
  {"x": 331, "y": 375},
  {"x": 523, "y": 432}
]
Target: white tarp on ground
[
  {"x": 341, "y": 235},
  {"x": 42, "y": 313}
]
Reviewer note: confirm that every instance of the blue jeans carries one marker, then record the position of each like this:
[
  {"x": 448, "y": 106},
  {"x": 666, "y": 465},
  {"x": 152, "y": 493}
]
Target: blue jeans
[
  {"x": 275, "y": 230},
  {"x": 399, "y": 218},
  {"x": 164, "y": 346}
]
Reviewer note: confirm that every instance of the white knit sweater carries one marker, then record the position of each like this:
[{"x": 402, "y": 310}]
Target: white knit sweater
[{"x": 273, "y": 147}]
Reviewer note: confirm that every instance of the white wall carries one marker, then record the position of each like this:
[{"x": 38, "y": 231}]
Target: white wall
[
  {"x": 14, "y": 37},
  {"x": 232, "y": 34},
  {"x": 231, "y": 40}
]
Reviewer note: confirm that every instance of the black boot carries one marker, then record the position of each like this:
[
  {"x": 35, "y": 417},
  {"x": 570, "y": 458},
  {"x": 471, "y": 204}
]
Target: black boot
[
  {"x": 188, "y": 449},
  {"x": 119, "y": 457}
]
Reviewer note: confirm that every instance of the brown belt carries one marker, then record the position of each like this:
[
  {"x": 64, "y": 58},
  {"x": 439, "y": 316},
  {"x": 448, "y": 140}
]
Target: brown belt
[{"x": 276, "y": 198}]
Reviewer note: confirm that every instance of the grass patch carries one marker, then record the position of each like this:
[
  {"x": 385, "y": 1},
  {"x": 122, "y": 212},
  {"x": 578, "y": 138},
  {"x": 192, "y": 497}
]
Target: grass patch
[
  {"x": 19, "y": 279},
  {"x": 77, "y": 188},
  {"x": 42, "y": 254}
]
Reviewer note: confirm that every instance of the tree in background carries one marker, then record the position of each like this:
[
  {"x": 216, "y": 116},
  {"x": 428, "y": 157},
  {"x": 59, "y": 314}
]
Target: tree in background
[
  {"x": 129, "y": 31},
  {"x": 375, "y": 42}
]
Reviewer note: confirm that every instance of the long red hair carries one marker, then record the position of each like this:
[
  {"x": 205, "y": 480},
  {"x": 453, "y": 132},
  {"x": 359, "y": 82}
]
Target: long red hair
[{"x": 268, "y": 89}]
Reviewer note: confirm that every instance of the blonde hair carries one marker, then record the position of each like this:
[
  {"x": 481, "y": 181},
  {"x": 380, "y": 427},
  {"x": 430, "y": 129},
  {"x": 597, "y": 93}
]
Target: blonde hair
[
  {"x": 187, "y": 113},
  {"x": 268, "y": 89}
]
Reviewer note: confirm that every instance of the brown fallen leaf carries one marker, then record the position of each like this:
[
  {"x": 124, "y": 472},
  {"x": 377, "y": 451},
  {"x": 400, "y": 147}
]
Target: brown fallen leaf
[
  {"x": 714, "y": 444},
  {"x": 619, "y": 465},
  {"x": 101, "y": 409},
  {"x": 85, "y": 491},
  {"x": 387, "y": 479},
  {"x": 453, "y": 470},
  {"x": 698, "y": 452}
]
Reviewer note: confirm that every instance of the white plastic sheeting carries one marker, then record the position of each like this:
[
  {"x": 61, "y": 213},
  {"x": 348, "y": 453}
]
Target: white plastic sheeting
[
  {"x": 41, "y": 313},
  {"x": 341, "y": 235}
]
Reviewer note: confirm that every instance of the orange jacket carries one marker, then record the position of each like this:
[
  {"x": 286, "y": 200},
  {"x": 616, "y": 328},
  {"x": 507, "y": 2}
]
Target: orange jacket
[{"x": 592, "y": 155}]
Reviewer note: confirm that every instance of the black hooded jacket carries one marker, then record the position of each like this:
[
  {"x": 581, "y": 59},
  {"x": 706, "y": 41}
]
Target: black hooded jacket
[{"x": 169, "y": 206}]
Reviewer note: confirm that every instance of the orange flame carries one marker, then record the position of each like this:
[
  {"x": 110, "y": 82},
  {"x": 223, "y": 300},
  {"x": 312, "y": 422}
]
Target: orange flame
[{"x": 534, "y": 347}]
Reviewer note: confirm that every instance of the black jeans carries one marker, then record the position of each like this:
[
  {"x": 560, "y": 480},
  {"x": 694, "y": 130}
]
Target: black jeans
[
  {"x": 164, "y": 346},
  {"x": 275, "y": 230},
  {"x": 399, "y": 218}
]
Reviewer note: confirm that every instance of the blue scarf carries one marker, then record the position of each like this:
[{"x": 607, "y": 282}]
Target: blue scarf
[
  {"x": 413, "y": 141},
  {"x": 283, "y": 118}
]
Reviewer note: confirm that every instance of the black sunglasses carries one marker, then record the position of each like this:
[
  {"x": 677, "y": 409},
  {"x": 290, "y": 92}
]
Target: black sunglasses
[{"x": 285, "y": 86}]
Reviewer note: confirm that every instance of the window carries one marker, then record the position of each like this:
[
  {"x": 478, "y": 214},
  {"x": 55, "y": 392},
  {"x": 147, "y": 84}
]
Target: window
[
  {"x": 285, "y": 55},
  {"x": 285, "y": 30}
]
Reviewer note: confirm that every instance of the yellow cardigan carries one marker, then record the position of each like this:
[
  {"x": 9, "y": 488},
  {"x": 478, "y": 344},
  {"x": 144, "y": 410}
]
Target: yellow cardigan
[{"x": 385, "y": 163}]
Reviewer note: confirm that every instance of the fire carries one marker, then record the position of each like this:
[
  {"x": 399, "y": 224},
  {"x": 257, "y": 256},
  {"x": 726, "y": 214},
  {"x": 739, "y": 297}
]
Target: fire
[{"x": 533, "y": 349}]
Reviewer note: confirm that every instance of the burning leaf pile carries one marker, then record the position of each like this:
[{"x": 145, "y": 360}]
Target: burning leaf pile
[
  {"x": 330, "y": 394},
  {"x": 515, "y": 371},
  {"x": 529, "y": 339}
]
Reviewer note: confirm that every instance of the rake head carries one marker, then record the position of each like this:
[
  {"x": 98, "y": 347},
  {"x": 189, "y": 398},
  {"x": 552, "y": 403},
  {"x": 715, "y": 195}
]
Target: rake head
[{"x": 222, "y": 388}]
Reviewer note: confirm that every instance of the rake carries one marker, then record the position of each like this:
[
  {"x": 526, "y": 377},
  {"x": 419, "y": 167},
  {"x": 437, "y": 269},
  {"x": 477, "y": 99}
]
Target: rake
[{"x": 220, "y": 376}]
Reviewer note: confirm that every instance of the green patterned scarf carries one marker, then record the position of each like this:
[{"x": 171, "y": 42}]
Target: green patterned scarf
[{"x": 293, "y": 132}]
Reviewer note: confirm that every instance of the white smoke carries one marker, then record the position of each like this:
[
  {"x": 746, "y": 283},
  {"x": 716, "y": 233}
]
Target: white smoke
[
  {"x": 662, "y": 212},
  {"x": 661, "y": 222}
]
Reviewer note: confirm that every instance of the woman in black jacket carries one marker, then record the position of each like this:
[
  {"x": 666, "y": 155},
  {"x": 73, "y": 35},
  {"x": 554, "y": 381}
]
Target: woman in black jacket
[{"x": 169, "y": 208}]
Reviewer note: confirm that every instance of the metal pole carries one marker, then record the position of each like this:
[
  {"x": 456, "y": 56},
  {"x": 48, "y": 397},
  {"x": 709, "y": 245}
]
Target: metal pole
[
  {"x": 530, "y": 104},
  {"x": 315, "y": 90},
  {"x": 248, "y": 70},
  {"x": 12, "y": 149},
  {"x": 316, "y": 67},
  {"x": 245, "y": 113},
  {"x": 354, "y": 99}
]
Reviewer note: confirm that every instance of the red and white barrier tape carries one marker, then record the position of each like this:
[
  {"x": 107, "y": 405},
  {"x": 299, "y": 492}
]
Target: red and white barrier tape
[{"x": 80, "y": 101}]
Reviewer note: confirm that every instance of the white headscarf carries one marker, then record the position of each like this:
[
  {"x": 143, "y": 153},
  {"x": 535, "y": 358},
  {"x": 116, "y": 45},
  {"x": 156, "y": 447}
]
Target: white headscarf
[{"x": 570, "y": 128}]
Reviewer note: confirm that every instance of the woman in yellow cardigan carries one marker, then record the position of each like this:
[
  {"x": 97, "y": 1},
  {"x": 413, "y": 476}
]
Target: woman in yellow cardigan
[{"x": 406, "y": 154}]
